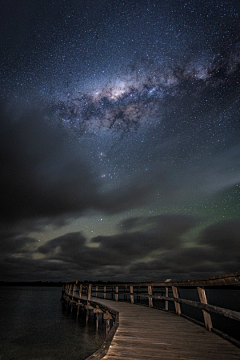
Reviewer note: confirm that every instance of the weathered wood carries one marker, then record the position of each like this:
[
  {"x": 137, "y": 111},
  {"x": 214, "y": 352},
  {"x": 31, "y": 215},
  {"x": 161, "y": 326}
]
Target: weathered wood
[
  {"x": 107, "y": 316},
  {"x": 177, "y": 305},
  {"x": 151, "y": 334},
  {"x": 207, "y": 307},
  {"x": 99, "y": 354},
  {"x": 150, "y": 300},
  {"x": 235, "y": 315},
  {"x": 131, "y": 294},
  {"x": 74, "y": 289},
  {"x": 166, "y": 301},
  {"x": 80, "y": 291},
  {"x": 96, "y": 290},
  {"x": 229, "y": 279},
  {"x": 206, "y": 315},
  {"x": 160, "y": 287},
  {"x": 89, "y": 307},
  {"x": 89, "y": 291},
  {"x": 97, "y": 310},
  {"x": 116, "y": 293}
]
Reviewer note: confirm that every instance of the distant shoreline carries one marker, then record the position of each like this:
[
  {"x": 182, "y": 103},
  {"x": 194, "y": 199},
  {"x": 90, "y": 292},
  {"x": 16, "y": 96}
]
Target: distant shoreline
[{"x": 32, "y": 283}]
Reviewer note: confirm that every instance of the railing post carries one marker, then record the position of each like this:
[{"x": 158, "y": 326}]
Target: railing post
[
  {"x": 131, "y": 294},
  {"x": 89, "y": 291},
  {"x": 116, "y": 293},
  {"x": 138, "y": 290},
  {"x": 177, "y": 305},
  {"x": 104, "y": 292},
  {"x": 166, "y": 301},
  {"x": 150, "y": 300},
  {"x": 206, "y": 315},
  {"x": 80, "y": 291},
  {"x": 96, "y": 291},
  {"x": 125, "y": 295},
  {"x": 74, "y": 289}
]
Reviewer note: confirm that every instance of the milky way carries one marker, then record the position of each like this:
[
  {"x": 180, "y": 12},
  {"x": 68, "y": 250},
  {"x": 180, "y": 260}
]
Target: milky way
[{"x": 139, "y": 97}]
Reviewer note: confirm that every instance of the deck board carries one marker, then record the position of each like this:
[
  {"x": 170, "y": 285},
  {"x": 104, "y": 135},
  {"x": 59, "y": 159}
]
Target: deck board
[{"x": 151, "y": 334}]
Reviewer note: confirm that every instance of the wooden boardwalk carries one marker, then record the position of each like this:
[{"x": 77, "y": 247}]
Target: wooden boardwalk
[{"x": 147, "y": 333}]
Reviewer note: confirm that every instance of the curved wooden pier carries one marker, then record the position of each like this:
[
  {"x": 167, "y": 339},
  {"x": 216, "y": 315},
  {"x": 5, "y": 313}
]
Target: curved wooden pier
[{"x": 147, "y": 333}]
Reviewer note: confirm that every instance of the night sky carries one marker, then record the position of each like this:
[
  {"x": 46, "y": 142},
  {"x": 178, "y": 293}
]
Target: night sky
[{"x": 119, "y": 139}]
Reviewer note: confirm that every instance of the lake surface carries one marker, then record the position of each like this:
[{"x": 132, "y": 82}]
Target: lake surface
[{"x": 35, "y": 326}]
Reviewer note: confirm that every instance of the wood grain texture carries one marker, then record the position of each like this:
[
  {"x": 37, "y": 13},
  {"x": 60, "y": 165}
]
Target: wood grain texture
[{"x": 147, "y": 333}]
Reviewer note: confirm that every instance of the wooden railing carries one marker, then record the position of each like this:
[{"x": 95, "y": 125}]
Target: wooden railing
[{"x": 168, "y": 291}]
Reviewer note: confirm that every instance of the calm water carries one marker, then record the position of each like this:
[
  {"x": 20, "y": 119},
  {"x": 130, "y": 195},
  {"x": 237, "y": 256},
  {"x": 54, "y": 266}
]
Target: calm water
[{"x": 34, "y": 326}]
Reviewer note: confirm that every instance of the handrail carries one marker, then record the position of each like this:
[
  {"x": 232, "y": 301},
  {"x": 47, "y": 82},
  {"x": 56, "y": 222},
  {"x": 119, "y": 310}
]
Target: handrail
[
  {"x": 228, "y": 279},
  {"x": 127, "y": 289}
]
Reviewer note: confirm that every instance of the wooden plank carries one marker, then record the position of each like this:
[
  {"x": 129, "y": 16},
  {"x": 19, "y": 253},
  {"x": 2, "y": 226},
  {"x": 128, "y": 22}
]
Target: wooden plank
[{"x": 148, "y": 333}]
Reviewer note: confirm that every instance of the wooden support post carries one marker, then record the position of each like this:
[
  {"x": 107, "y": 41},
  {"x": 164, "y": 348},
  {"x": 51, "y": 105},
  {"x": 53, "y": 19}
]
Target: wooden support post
[
  {"x": 116, "y": 293},
  {"x": 104, "y": 292},
  {"x": 206, "y": 315},
  {"x": 80, "y": 291},
  {"x": 131, "y": 294},
  {"x": 89, "y": 291},
  {"x": 70, "y": 289},
  {"x": 87, "y": 315},
  {"x": 177, "y": 305},
  {"x": 96, "y": 291},
  {"x": 166, "y": 301},
  {"x": 74, "y": 289},
  {"x": 150, "y": 300},
  {"x": 97, "y": 320}
]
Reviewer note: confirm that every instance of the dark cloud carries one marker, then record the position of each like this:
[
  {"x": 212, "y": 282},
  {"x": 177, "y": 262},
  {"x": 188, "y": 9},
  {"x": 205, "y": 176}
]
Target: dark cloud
[
  {"x": 223, "y": 238},
  {"x": 16, "y": 245},
  {"x": 172, "y": 224},
  {"x": 43, "y": 175},
  {"x": 217, "y": 251},
  {"x": 68, "y": 244},
  {"x": 153, "y": 254},
  {"x": 121, "y": 249}
]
